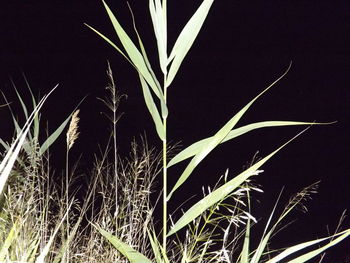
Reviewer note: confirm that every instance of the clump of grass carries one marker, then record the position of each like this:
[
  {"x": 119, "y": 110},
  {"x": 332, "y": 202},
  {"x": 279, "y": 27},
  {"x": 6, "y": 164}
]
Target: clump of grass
[{"x": 42, "y": 220}]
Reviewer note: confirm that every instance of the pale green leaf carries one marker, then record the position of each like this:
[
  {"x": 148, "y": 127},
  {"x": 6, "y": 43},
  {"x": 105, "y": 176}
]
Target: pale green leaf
[
  {"x": 186, "y": 39},
  {"x": 53, "y": 137},
  {"x": 155, "y": 246},
  {"x": 303, "y": 258},
  {"x": 8, "y": 241},
  {"x": 11, "y": 156},
  {"x": 216, "y": 140},
  {"x": 164, "y": 108},
  {"x": 152, "y": 108},
  {"x": 220, "y": 193},
  {"x": 159, "y": 27},
  {"x": 131, "y": 254},
  {"x": 133, "y": 53},
  {"x": 111, "y": 43},
  {"x": 194, "y": 149}
]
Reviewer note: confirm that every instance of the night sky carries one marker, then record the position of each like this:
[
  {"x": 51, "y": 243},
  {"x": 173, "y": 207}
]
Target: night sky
[{"x": 242, "y": 48}]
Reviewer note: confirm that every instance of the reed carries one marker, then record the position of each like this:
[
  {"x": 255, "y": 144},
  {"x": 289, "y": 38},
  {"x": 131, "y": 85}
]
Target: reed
[{"x": 114, "y": 217}]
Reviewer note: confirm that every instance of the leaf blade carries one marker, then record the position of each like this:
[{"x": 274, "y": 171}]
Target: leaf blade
[{"x": 186, "y": 39}]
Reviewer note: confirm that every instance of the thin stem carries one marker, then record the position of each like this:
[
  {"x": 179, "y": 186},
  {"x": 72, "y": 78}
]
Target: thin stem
[
  {"x": 67, "y": 203},
  {"x": 165, "y": 204}
]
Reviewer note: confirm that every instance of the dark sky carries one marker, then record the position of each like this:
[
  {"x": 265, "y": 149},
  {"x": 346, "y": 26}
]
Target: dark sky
[{"x": 242, "y": 48}]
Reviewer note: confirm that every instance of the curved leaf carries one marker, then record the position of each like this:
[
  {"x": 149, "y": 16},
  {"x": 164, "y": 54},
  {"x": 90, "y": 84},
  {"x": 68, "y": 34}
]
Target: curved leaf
[
  {"x": 217, "y": 139},
  {"x": 133, "y": 53},
  {"x": 186, "y": 39},
  {"x": 194, "y": 149},
  {"x": 152, "y": 108},
  {"x": 221, "y": 192},
  {"x": 131, "y": 254}
]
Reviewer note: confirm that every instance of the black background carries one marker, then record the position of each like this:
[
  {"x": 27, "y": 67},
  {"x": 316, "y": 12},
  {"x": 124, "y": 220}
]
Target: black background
[{"x": 242, "y": 48}]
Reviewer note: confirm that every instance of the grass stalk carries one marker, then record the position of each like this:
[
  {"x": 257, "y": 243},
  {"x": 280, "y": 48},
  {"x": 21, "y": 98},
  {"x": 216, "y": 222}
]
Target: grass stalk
[{"x": 165, "y": 174}]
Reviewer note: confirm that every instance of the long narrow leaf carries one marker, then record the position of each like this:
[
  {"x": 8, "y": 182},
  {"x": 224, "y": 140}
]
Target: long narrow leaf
[
  {"x": 164, "y": 108},
  {"x": 186, "y": 39},
  {"x": 133, "y": 53},
  {"x": 217, "y": 139},
  {"x": 11, "y": 156},
  {"x": 159, "y": 27},
  {"x": 152, "y": 108},
  {"x": 8, "y": 241},
  {"x": 131, "y": 254},
  {"x": 221, "y": 192},
  {"x": 195, "y": 148},
  {"x": 155, "y": 246},
  {"x": 296, "y": 248}
]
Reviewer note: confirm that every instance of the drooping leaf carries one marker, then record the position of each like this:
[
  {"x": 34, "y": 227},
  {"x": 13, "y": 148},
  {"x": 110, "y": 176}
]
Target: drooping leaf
[
  {"x": 186, "y": 39},
  {"x": 164, "y": 108},
  {"x": 131, "y": 254},
  {"x": 54, "y": 136},
  {"x": 152, "y": 108},
  {"x": 307, "y": 256},
  {"x": 133, "y": 53},
  {"x": 194, "y": 148},
  {"x": 217, "y": 139},
  {"x": 11, "y": 156},
  {"x": 160, "y": 31},
  {"x": 221, "y": 192}
]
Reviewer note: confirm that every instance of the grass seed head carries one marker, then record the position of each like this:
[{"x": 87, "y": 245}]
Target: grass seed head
[{"x": 73, "y": 133}]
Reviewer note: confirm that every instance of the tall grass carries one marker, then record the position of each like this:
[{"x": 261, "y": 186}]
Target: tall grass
[{"x": 112, "y": 216}]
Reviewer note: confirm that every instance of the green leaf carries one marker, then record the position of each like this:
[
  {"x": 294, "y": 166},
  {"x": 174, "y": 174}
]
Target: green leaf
[
  {"x": 160, "y": 31},
  {"x": 216, "y": 140},
  {"x": 155, "y": 246},
  {"x": 221, "y": 192},
  {"x": 164, "y": 108},
  {"x": 307, "y": 256},
  {"x": 131, "y": 254},
  {"x": 195, "y": 148},
  {"x": 8, "y": 241},
  {"x": 152, "y": 108},
  {"x": 186, "y": 39},
  {"x": 11, "y": 156},
  {"x": 53, "y": 137},
  {"x": 133, "y": 53}
]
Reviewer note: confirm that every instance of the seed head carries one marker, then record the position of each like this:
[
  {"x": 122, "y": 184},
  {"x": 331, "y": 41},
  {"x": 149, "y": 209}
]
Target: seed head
[{"x": 73, "y": 133}]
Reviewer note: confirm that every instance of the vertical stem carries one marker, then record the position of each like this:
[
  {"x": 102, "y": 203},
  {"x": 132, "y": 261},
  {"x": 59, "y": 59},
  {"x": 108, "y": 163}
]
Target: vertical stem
[
  {"x": 67, "y": 204},
  {"x": 165, "y": 193},
  {"x": 115, "y": 147}
]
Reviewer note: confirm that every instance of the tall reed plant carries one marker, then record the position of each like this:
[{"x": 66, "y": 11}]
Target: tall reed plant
[{"x": 155, "y": 92}]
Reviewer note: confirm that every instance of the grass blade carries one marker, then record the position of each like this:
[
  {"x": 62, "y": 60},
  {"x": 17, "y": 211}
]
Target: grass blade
[
  {"x": 186, "y": 39},
  {"x": 11, "y": 156},
  {"x": 159, "y": 27},
  {"x": 131, "y": 254},
  {"x": 133, "y": 53},
  {"x": 8, "y": 241},
  {"x": 217, "y": 139},
  {"x": 303, "y": 258},
  {"x": 221, "y": 192},
  {"x": 195, "y": 148},
  {"x": 152, "y": 108}
]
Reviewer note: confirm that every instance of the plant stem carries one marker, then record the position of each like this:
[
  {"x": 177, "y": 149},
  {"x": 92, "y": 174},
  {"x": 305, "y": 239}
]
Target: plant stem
[
  {"x": 67, "y": 203},
  {"x": 165, "y": 204}
]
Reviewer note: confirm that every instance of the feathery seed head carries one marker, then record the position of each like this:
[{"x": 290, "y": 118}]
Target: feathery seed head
[{"x": 73, "y": 133}]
